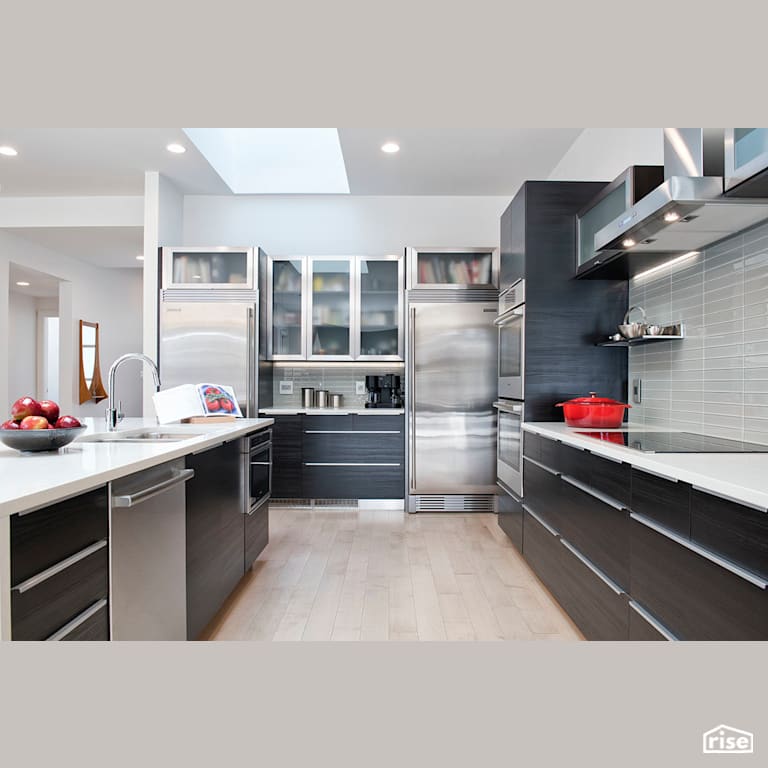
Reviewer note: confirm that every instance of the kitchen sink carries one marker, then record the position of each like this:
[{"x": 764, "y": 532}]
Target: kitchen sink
[{"x": 153, "y": 436}]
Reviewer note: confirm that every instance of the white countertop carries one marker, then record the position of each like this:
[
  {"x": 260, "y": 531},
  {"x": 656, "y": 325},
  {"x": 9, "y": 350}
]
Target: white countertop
[
  {"x": 334, "y": 411},
  {"x": 31, "y": 480},
  {"x": 739, "y": 476}
]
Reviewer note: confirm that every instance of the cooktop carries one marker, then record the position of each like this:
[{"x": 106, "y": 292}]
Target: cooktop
[{"x": 676, "y": 442}]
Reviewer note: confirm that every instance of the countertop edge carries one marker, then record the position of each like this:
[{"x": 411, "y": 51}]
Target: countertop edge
[
  {"x": 333, "y": 411},
  {"x": 88, "y": 482},
  {"x": 669, "y": 465}
]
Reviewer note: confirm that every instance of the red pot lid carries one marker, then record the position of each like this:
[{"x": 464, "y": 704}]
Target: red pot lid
[{"x": 593, "y": 399}]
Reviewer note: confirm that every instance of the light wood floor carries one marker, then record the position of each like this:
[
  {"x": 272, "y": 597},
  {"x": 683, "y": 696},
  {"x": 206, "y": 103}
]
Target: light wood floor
[{"x": 348, "y": 574}]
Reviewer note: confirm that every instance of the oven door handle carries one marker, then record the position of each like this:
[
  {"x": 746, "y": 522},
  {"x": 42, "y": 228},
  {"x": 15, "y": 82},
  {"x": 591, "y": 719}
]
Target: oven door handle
[
  {"x": 510, "y": 314},
  {"x": 516, "y": 409}
]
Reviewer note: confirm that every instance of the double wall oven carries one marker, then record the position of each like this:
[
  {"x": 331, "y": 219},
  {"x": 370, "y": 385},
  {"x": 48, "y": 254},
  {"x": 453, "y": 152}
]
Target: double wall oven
[{"x": 510, "y": 404}]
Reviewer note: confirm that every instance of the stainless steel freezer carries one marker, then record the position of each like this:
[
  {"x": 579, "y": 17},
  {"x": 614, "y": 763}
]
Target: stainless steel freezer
[
  {"x": 450, "y": 391},
  {"x": 205, "y": 337}
]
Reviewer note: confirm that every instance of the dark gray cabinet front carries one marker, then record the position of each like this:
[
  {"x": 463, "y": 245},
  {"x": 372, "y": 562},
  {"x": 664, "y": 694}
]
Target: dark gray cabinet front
[
  {"x": 286, "y": 456},
  {"x": 215, "y": 533}
]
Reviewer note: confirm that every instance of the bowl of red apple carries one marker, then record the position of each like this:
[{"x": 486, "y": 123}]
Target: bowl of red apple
[{"x": 35, "y": 425}]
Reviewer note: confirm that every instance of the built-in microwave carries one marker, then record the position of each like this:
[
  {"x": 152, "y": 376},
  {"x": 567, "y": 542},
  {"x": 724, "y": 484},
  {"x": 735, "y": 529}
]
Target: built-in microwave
[
  {"x": 509, "y": 445},
  {"x": 510, "y": 324}
]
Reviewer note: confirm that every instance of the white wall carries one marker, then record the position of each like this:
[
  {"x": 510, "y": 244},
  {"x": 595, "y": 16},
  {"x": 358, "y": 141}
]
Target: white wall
[
  {"x": 111, "y": 297},
  {"x": 22, "y": 363},
  {"x": 601, "y": 154},
  {"x": 341, "y": 224}
]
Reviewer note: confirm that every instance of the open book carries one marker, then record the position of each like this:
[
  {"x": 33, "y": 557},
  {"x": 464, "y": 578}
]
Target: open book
[{"x": 191, "y": 400}]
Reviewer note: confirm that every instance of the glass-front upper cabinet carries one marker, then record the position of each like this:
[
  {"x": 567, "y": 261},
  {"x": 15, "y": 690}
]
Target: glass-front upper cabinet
[
  {"x": 746, "y": 155},
  {"x": 453, "y": 267},
  {"x": 287, "y": 338},
  {"x": 219, "y": 267},
  {"x": 379, "y": 332},
  {"x": 330, "y": 308}
]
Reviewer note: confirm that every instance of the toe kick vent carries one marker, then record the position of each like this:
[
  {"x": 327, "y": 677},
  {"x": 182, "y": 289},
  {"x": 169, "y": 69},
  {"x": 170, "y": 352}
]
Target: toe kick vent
[{"x": 455, "y": 503}]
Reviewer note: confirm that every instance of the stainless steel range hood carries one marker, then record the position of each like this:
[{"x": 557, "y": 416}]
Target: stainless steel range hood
[{"x": 686, "y": 213}]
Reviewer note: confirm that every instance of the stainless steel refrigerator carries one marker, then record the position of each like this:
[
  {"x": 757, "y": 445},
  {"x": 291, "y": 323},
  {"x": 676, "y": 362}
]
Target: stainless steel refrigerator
[
  {"x": 211, "y": 336},
  {"x": 451, "y": 383}
]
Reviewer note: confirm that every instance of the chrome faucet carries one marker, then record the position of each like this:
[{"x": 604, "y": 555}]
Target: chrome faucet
[{"x": 114, "y": 416}]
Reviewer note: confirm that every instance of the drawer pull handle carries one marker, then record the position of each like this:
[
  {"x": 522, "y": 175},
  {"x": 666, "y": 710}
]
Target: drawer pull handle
[
  {"x": 39, "y": 578},
  {"x": 611, "y": 502},
  {"x": 352, "y": 432},
  {"x": 657, "y": 474},
  {"x": 178, "y": 477},
  {"x": 705, "y": 553},
  {"x": 77, "y": 621},
  {"x": 346, "y": 464},
  {"x": 592, "y": 567},
  {"x": 660, "y": 628},
  {"x": 729, "y": 498},
  {"x": 542, "y": 466},
  {"x": 540, "y": 521},
  {"x": 261, "y": 463}
]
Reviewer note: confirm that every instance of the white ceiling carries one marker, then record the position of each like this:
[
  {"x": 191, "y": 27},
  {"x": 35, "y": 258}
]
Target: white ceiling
[
  {"x": 40, "y": 285},
  {"x": 431, "y": 161},
  {"x": 101, "y": 246}
]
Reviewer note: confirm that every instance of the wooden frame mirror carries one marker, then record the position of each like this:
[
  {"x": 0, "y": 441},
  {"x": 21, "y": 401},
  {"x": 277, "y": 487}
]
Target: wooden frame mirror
[{"x": 91, "y": 385}]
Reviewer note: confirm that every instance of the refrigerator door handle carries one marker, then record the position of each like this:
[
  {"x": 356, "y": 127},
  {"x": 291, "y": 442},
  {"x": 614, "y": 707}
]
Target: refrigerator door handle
[
  {"x": 411, "y": 395},
  {"x": 250, "y": 374}
]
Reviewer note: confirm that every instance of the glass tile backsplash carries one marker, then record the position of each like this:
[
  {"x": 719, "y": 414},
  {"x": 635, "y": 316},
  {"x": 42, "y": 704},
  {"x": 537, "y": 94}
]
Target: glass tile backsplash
[
  {"x": 715, "y": 380},
  {"x": 336, "y": 379}
]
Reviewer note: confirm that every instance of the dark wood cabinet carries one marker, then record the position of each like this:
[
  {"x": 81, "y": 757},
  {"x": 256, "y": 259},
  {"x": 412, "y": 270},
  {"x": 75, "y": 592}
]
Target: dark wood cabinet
[
  {"x": 510, "y": 518},
  {"x": 693, "y": 566},
  {"x": 256, "y": 534},
  {"x": 287, "y": 456},
  {"x": 60, "y": 567},
  {"x": 665, "y": 501},
  {"x": 731, "y": 530},
  {"x": 564, "y": 318},
  {"x": 215, "y": 532},
  {"x": 95, "y": 627},
  {"x": 696, "y": 598}
]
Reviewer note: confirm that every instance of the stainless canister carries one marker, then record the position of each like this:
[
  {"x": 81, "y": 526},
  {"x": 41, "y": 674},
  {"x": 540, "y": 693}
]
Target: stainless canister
[
  {"x": 307, "y": 397},
  {"x": 336, "y": 400},
  {"x": 321, "y": 398}
]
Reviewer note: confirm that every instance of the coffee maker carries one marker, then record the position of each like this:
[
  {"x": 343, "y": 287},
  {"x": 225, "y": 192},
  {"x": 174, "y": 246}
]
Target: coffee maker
[{"x": 384, "y": 391}]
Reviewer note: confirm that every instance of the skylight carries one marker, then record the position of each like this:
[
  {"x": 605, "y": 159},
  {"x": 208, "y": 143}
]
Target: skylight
[{"x": 274, "y": 160}]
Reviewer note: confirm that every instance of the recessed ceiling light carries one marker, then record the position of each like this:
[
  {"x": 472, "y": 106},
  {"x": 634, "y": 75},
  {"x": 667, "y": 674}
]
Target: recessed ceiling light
[
  {"x": 628, "y": 242},
  {"x": 177, "y": 149},
  {"x": 8, "y": 151},
  {"x": 671, "y": 216},
  {"x": 139, "y": 258},
  {"x": 390, "y": 147},
  {"x": 22, "y": 283}
]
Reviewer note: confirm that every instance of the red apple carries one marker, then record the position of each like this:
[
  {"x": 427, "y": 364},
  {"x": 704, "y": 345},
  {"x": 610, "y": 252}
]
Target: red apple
[
  {"x": 213, "y": 405},
  {"x": 50, "y": 410},
  {"x": 10, "y": 424},
  {"x": 67, "y": 422},
  {"x": 34, "y": 422},
  {"x": 25, "y": 406}
]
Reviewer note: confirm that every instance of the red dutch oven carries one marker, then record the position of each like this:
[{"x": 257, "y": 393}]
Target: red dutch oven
[{"x": 593, "y": 412}]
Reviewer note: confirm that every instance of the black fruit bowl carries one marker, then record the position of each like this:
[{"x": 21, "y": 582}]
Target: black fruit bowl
[{"x": 39, "y": 439}]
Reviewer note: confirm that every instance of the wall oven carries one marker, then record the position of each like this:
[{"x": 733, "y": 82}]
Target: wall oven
[
  {"x": 511, "y": 329},
  {"x": 509, "y": 446},
  {"x": 257, "y": 470}
]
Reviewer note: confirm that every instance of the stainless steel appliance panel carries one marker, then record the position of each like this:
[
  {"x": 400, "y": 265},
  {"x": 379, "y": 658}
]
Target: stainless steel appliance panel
[
  {"x": 210, "y": 341},
  {"x": 511, "y": 344},
  {"x": 509, "y": 448},
  {"x": 451, "y": 389}
]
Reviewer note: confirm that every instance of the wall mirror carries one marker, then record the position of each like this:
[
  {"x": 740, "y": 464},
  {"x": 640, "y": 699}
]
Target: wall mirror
[{"x": 91, "y": 386}]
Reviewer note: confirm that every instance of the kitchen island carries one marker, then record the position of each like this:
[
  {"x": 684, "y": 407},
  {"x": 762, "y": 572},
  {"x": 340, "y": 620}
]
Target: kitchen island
[
  {"x": 52, "y": 484},
  {"x": 644, "y": 546}
]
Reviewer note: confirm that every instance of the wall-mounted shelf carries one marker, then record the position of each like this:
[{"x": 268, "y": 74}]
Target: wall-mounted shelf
[{"x": 639, "y": 340}]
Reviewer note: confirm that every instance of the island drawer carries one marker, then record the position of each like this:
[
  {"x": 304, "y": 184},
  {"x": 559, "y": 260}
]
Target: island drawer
[
  {"x": 92, "y": 624},
  {"x": 43, "y": 604},
  {"x": 665, "y": 501},
  {"x": 43, "y": 538}
]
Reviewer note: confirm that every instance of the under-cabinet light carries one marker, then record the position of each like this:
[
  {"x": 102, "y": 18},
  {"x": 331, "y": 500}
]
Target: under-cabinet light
[{"x": 666, "y": 264}]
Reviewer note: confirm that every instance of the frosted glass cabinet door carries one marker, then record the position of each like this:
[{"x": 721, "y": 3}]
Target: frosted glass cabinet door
[
  {"x": 746, "y": 154},
  {"x": 229, "y": 268},
  {"x": 453, "y": 268},
  {"x": 331, "y": 309},
  {"x": 379, "y": 333},
  {"x": 287, "y": 336}
]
